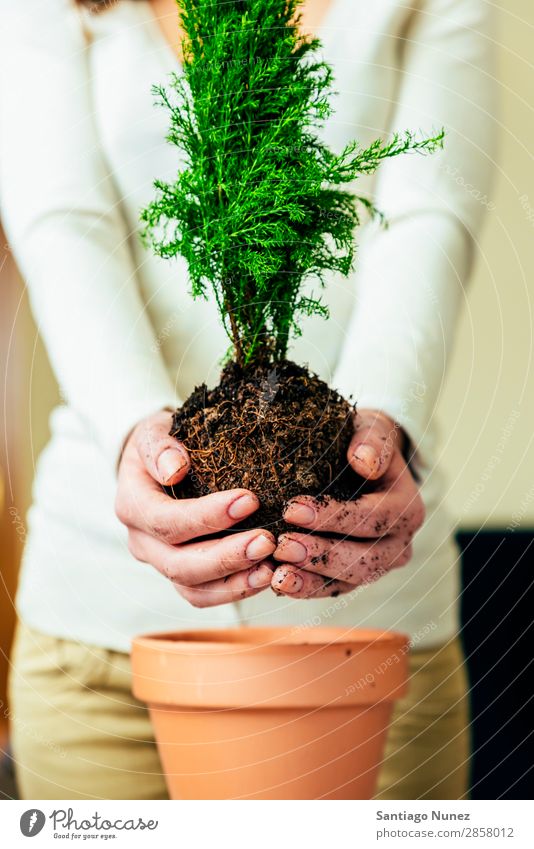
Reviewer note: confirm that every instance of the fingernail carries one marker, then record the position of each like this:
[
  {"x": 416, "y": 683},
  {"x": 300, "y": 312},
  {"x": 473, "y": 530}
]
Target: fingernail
[
  {"x": 170, "y": 462},
  {"x": 260, "y": 547},
  {"x": 261, "y": 576},
  {"x": 299, "y": 514},
  {"x": 291, "y": 582},
  {"x": 367, "y": 455},
  {"x": 291, "y": 550},
  {"x": 243, "y": 506}
]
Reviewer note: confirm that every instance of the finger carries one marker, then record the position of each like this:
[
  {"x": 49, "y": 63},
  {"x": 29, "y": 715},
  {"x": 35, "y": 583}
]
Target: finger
[
  {"x": 290, "y": 581},
  {"x": 235, "y": 588},
  {"x": 345, "y": 560},
  {"x": 165, "y": 459},
  {"x": 374, "y": 514},
  {"x": 141, "y": 503},
  {"x": 199, "y": 562},
  {"x": 371, "y": 448}
]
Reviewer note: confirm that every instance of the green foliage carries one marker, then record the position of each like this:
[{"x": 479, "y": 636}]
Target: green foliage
[{"x": 257, "y": 206}]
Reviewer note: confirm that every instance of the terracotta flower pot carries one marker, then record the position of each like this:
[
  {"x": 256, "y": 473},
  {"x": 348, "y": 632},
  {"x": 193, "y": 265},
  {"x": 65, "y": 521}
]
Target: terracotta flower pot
[{"x": 270, "y": 713}]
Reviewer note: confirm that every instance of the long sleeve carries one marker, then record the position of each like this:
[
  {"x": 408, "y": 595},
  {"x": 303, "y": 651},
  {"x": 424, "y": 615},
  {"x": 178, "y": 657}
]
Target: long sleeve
[
  {"x": 65, "y": 226},
  {"x": 410, "y": 277}
]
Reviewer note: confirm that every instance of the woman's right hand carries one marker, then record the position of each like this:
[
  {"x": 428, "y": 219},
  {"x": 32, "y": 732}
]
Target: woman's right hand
[{"x": 163, "y": 531}]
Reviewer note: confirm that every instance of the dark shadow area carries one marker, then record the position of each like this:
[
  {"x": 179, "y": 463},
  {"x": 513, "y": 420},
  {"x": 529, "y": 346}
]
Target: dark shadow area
[
  {"x": 497, "y": 610},
  {"x": 8, "y": 788}
]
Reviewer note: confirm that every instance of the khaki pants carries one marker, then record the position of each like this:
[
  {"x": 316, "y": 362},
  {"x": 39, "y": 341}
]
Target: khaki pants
[{"x": 78, "y": 733}]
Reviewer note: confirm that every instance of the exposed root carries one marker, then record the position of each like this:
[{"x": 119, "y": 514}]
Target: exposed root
[{"x": 277, "y": 430}]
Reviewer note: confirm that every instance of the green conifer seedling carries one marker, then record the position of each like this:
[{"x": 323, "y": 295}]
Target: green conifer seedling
[
  {"x": 259, "y": 207},
  {"x": 260, "y": 203}
]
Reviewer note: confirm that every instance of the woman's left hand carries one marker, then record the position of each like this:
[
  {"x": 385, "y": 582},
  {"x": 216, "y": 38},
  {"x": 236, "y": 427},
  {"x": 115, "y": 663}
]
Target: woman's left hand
[{"x": 373, "y": 533}]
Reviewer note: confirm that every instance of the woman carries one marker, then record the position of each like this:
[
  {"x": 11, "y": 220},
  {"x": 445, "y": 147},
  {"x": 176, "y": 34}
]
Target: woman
[{"x": 80, "y": 147}]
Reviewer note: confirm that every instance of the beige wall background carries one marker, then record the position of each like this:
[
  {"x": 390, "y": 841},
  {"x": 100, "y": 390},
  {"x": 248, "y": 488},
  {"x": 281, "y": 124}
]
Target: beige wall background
[
  {"x": 486, "y": 411},
  {"x": 487, "y": 408}
]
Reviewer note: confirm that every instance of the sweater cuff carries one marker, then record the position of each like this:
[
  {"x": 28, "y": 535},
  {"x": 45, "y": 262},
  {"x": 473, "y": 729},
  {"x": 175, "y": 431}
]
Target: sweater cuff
[
  {"x": 124, "y": 422},
  {"x": 408, "y": 413}
]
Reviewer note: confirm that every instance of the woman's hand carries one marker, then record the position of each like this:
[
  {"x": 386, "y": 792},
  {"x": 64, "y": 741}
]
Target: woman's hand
[
  {"x": 163, "y": 531},
  {"x": 374, "y": 532}
]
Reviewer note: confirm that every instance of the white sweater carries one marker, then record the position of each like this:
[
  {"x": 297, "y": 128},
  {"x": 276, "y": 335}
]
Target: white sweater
[{"x": 80, "y": 145}]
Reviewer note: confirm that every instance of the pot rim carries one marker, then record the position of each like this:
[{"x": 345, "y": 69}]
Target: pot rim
[
  {"x": 244, "y": 638},
  {"x": 267, "y": 667}
]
